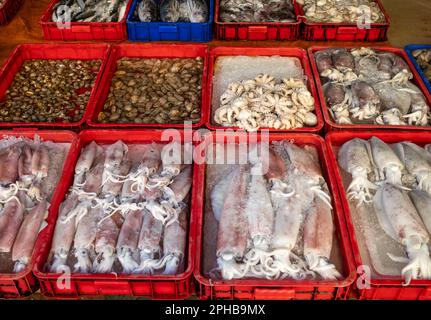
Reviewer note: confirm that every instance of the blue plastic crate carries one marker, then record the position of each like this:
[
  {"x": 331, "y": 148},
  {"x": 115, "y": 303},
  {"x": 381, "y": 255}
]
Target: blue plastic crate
[
  {"x": 409, "y": 49},
  {"x": 169, "y": 31}
]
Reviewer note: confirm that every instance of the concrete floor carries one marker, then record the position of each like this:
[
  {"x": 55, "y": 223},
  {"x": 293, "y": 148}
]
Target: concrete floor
[{"x": 410, "y": 21}]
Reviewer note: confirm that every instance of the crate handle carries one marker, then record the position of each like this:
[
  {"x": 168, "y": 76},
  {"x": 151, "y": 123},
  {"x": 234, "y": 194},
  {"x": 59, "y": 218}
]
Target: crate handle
[
  {"x": 113, "y": 287},
  {"x": 344, "y": 30},
  {"x": 273, "y": 294},
  {"x": 257, "y": 29},
  {"x": 168, "y": 29},
  {"x": 80, "y": 29}
]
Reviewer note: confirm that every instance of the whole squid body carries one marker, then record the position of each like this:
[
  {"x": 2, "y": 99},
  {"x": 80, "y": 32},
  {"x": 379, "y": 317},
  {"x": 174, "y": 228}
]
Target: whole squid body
[
  {"x": 85, "y": 162},
  {"x": 64, "y": 234},
  {"x": 355, "y": 158},
  {"x": 149, "y": 243},
  {"x": 232, "y": 234},
  {"x": 127, "y": 244},
  {"x": 113, "y": 158},
  {"x": 395, "y": 104},
  {"x": 25, "y": 173},
  {"x": 338, "y": 99},
  {"x": 106, "y": 242},
  {"x": 11, "y": 218},
  {"x": 399, "y": 219},
  {"x": 365, "y": 102},
  {"x": 34, "y": 222},
  {"x": 9, "y": 165},
  {"x": 174, "y": 245},
  {"x": 39, "y": 167},
  {"x": 318, "y": 235},
  {"x": 84, "y": 240}
]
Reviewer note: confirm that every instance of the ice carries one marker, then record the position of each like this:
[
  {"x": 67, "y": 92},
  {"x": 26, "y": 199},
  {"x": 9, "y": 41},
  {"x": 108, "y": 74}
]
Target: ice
[
  {"x": 374, "y": 244},
  {"x": 236, "y": 68}
]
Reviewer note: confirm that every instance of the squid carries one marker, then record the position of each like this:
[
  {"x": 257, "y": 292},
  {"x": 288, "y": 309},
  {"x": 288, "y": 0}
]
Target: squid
[
  {"x": 422, "y": 202},
  {"x": 232, "y": 234},
  {"x": 63, "y": 235},
  {"x": 306, "y": 165},
  {"x": 174, "y": 246},
  {"x": 127, "y": 244},
  {"x": 106, "y": 242},
  {"x": 84, "y": 241},
  {"x": 114, "y": 157},
  {"x": 416, "y": 164},
  {"x": 355, "y": 158},
  {"x": 149, "y": 165},
  {"x": 9, "y": 165},
  {"x": 338, "y": 99},
  {"x": 39, "y": 167},
  {"x": 389, "y": 166},
  {"x": 34, "y": 222},
  {"x": 11, "y": 218},
  {"x": 318, "y": 234},
  {"x": 399, "y": 219},
  {"x": 171, "y": 155},
  {"x": 365, "y": 101},
  {"x": 276, "y": 173},
  {"x": 24, "y": 166},
  {"x": 85, "y": 161},
  {"x": 149, "y": 243}
]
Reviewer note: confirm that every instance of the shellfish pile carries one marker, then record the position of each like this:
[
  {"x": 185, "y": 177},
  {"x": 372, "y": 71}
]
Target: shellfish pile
[
  {"x": 367, "y": 86},
  {"x": 126, "y": 212},
  {"x": 269, "y": 211},
  {"x": 263, "y": 102},
  {"x": 393, "y": 182},
  {"x": 337, "y": 11},
  {"x": 423, "y": 57},
  {"x": 195, "y": 11},
  {"x": 29, "y": 172},
  {"x": 257, "y": 11}
]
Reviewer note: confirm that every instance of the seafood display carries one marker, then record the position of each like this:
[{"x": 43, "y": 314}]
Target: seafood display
[
  {"x": 89, "y": 11},
  {"x": 150, "y": 90},
  {"x": 367, "y": 86},
  {"x": 127, "y": 211},
  {"x": 273, "y": 215},
  {"x": 423, "y": 57},
  {"x": 29, "y": 172},
  {"x": 195, "y": 11},
  {"x": 264, "y": 102},
  {"x": 392, "y": 183},
  {"x": 257, "y": 11},
  {"x": 338, "y": 11},
  {"x": 49, "y": 91}
]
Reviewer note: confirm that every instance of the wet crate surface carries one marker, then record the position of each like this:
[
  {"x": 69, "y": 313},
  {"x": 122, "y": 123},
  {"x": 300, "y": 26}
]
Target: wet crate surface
[
  {"x": 255, "y": 52},
  {"x": 146, "y": 51},
  {"x": 384, "y": 287},
  {"x": 330, "y": 125},
  {"x": 170, "y": 31},
  {"x": 52, "y": 52},
  {"x": 15, "y": 285},
  {"x": 93, "y": 285},
  {"x": 279, "y": 289},
  {"x": 82, "y": 31}
]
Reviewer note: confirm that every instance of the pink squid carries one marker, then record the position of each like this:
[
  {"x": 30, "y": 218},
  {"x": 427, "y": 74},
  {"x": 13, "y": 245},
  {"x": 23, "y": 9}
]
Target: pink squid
[
  {"x": 11, "y": 218},
  {"x": 85, "y": 161},
  {"x": 39, "y": 166},
  {"x": 34, "y": 222},
  {"x": 24, "y": 166},
  {"x": 9, "y": 165}
]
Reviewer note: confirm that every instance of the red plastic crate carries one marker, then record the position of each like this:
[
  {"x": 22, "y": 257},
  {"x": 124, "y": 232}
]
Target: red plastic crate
[
  {"x": 253, "y": 31},
  {"x": 15, "y": 285},
  {"x": 78, "y": 31},
  {"x": 330, "y": 125},
  {"x": 81, "y": 285},
  {"x": 9, "y": 10},
  {"x": 299, "y": 53},
  {"x": 50, "y": 52},
  {"x": 390, "y": 288},
  {"x": 320, "y": 31},
  {"x": 270, "y": 289},
  {"x": 146, "y": 51}
]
